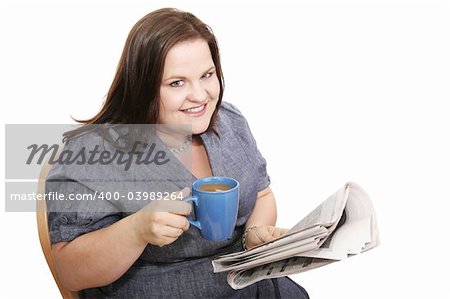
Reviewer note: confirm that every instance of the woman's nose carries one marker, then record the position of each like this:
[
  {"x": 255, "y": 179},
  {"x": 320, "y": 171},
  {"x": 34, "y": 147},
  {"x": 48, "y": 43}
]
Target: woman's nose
[{"x": 197, "y": 93}]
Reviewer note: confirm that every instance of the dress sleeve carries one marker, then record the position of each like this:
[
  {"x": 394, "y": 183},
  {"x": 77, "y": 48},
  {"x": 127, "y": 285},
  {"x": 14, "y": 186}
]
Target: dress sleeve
[
  {"x": 71, "y": 217},
  {"x": 242, "y": 130}
]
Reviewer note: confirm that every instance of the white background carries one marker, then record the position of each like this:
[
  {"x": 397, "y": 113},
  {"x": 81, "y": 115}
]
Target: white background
[{"x": 333, "y": 91}]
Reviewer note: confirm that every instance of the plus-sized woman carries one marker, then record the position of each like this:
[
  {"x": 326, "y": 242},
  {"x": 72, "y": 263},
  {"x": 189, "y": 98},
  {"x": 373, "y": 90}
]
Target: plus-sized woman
[{"x": 169, "y": 74}]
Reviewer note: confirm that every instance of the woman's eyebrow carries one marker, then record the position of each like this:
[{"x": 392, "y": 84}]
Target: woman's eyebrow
[{"x": 212, "y": 68}]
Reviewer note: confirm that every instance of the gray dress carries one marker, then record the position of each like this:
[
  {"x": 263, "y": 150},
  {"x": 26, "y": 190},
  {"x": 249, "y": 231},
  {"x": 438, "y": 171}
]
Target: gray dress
[{"x": 182, "y": 269}]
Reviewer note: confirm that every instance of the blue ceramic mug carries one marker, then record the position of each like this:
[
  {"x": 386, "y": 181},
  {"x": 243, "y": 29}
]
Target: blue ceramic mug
[{"x": 215, "y": 202}]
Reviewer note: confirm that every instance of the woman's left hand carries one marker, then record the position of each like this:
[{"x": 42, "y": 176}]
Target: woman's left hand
[{"x": 262, "y": 234}]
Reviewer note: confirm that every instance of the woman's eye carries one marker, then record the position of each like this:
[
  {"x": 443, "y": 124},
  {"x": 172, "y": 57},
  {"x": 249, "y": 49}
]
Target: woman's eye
[
  {"x": 177, "y": 83},
  {"x": 208, "y": 75}
]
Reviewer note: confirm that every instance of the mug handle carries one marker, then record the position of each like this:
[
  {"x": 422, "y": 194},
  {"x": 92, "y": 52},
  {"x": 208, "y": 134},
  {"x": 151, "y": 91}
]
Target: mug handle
[{"x": 194, "y": 199}]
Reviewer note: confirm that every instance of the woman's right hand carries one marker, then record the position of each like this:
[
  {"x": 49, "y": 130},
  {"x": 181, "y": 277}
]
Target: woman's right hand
[{"x": 161, "y": 222}]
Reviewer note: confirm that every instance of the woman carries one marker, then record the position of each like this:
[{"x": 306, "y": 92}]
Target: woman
[{"x": 169, "y": 74}]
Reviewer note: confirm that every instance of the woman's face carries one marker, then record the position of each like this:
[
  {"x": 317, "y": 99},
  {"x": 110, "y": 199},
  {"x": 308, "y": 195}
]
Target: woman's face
[{"x": 190, "y": 87}]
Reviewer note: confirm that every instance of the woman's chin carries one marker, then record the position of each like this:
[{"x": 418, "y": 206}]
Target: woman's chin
[{"x": 199, "y": 128}]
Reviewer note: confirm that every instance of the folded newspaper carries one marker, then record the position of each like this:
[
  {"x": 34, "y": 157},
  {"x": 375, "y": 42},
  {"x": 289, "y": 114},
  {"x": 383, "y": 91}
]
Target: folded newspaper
[{"x": 342, "y": 226}]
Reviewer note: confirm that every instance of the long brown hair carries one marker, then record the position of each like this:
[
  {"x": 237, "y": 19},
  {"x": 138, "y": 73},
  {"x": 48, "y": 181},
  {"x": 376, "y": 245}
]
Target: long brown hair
[{"x": 133, "y": 97}]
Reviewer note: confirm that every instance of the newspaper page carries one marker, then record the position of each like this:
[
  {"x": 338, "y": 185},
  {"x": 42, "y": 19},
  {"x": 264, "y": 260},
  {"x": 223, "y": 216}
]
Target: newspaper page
[
  {"x": 307, "y": 239},
  {"x": 342, "y": 226},
  {"x": 293, "y": 265},
  {"x": 356, "y": 234}
]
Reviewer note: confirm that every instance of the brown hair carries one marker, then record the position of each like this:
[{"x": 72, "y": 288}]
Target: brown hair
[{"x": 133, "y": 97}]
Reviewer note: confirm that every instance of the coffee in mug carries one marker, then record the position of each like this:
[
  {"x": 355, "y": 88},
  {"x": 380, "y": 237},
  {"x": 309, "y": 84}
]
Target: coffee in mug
[{"x": 214, "y": 187}]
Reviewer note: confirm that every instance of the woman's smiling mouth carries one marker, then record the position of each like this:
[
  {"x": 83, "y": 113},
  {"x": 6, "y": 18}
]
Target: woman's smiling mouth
[{"x": 196, "y": 111}]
